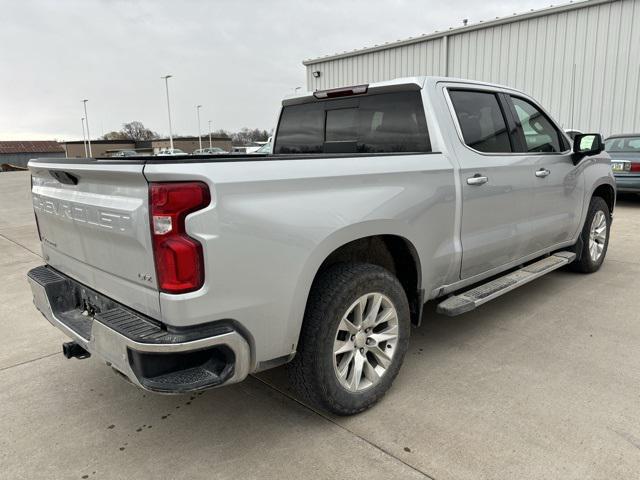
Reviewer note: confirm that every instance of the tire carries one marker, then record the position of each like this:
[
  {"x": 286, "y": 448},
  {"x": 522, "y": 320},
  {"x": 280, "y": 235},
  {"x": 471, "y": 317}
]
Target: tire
[
  {"x": 315, "y": 370},
  {"x": 587, "y": 261}
]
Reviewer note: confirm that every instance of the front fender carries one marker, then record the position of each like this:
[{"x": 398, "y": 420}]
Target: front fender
[{"x": 597, "y": 172}]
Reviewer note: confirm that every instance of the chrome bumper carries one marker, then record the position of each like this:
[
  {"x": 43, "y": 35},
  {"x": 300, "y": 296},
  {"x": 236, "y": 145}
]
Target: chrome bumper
[
  {"x": 629, "y": 183},
  {"x": 114, "y": 336}
]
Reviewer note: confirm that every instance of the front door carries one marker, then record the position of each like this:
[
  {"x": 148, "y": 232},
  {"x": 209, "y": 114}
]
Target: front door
[
  {"x": 558, "y": 189},
  {"x": 496, "y": 182}
]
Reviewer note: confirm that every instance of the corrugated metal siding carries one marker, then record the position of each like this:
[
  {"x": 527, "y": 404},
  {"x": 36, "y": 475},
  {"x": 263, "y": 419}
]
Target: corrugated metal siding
[
  {"x": 425, "y": 58},
  {"x": 583, "y": 64}
]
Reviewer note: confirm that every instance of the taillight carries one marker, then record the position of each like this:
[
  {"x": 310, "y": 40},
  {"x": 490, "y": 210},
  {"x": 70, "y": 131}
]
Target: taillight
[
  {"x": 635, "y": 167},
  {"x": 178, "y": 257}
]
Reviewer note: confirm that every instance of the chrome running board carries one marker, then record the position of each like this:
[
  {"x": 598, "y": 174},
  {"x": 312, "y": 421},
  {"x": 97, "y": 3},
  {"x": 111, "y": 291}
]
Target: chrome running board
[{"x": 469, "y": 300}]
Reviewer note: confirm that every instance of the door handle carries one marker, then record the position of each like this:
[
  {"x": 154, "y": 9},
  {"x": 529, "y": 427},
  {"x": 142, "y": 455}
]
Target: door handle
[
  {"x": 477, "y": 179},
  {"x": 543, "y": 172}
]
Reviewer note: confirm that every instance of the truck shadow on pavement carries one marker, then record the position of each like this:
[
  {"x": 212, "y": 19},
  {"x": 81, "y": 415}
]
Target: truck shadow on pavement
[{"x": 433, "y": 342}]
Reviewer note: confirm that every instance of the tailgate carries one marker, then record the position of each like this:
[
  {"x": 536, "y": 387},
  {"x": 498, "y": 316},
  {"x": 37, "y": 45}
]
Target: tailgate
[{"x": 93, "y": 220}]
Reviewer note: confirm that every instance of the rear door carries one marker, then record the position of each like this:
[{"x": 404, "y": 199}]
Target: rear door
[
  {"x": 558, "y": 187},
  {"x": 93, "y": 219},
  {"x": 496, "y": 181}
]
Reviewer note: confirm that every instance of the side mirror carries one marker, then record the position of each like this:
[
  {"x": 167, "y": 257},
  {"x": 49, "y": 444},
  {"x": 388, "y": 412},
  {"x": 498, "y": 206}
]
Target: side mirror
[{"x": 586, "y": 144}]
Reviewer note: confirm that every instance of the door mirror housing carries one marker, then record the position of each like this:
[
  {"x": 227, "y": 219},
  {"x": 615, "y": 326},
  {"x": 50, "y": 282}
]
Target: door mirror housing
[{"x": 586, "y": 144}]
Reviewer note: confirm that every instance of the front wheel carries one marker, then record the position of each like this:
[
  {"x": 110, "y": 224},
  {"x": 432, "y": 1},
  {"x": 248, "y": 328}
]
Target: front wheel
[
  {"x": 353, "y": 340},
  {"x": 595, "y": 237}
]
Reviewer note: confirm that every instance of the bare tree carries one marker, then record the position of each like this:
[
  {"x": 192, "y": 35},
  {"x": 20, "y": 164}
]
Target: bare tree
[
  {"x": 131, "y": 131},
  {"x": 114, "y": 136},
  {"x": 247, "y": 136},
  {"x": 137, "y": 131}
]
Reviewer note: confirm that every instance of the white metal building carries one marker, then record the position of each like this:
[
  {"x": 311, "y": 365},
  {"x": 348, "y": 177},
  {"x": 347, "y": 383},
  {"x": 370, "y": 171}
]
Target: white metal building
[{"x": 580, "y": 60}]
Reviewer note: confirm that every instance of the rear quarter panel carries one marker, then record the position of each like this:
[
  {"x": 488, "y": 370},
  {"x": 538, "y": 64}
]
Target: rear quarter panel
[{"x": 272, "y": 223}]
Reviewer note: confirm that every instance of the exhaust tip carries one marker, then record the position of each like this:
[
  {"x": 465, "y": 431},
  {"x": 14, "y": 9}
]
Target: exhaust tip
[{"x": 74, "y": 350}]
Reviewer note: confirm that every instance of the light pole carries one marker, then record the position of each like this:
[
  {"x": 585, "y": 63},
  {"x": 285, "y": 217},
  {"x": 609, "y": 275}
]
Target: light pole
[
  {"x": 86, "y": 119},
  {"x": 209, "y": 133},
  {"x": 198, "y": 107},
  {"x": 84, "y": 139},
  {"x": 166, "y": 84}
]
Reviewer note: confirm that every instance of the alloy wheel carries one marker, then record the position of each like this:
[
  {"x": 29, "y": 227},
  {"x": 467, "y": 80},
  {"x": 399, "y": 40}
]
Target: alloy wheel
[
  {"x": 365, "y": 342},
  {"x": 597, "y": 235}
]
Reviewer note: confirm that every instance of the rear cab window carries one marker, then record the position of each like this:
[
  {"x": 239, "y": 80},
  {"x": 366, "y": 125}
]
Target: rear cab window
[
  {"x": 301, "y": 129},
  {"x": 391, "y": 122}
]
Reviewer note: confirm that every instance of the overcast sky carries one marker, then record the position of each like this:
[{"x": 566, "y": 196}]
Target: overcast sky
[{"x": 236, "y": 58}]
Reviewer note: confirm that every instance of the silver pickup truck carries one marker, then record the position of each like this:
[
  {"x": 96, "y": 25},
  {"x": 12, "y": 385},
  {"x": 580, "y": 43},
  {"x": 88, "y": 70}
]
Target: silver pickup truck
[{"x": 187, "y": 273}]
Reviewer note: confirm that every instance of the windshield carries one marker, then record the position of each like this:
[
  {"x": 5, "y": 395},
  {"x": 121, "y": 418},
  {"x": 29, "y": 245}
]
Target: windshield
[{"x": 623, "y": 144}]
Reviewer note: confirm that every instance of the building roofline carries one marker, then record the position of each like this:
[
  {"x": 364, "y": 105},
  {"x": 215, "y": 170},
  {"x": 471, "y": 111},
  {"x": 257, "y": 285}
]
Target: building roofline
[
  {"x": 16, "y": 147},
  {"x": 96, "y": 142},
  {"x": 458, "y": 30},
  {"x": 127, "y": 140}
]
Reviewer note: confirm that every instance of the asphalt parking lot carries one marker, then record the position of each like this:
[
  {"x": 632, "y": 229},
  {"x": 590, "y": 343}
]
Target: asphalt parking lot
[{"x": 541, "y": 383}]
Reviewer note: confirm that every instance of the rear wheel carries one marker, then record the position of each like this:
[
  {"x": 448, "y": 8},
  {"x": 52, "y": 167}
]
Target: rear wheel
[
  {"x": 595, "y": 237},
  {"x": 353, "y": 340}
]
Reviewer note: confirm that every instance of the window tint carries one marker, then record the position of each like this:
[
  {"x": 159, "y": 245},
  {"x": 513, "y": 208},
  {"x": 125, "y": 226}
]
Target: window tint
[
  {"x": 393, "y": 122},
  {"x": 383, "y": 123},
  {"x": 540, "y": 135},
  {"x": 481, "y": 121},
  {"x": 301, "y": 129},
  {"x": 342, "y": 125}
]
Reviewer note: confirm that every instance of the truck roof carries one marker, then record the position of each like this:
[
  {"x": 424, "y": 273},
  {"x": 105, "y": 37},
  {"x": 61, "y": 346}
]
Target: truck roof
[{"x": 419, "y": 81}]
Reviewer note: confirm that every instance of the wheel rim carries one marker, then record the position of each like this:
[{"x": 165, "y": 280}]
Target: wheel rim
[
  {"x": 366, "y": 341},
  {"x": 597, "y": 235}
]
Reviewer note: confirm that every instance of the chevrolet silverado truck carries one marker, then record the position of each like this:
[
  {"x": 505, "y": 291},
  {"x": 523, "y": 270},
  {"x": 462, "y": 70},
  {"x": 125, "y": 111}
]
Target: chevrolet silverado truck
[{"x": 186, "y": 273}]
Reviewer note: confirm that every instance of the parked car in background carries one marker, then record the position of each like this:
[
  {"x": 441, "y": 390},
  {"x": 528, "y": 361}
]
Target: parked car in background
[
  {"x": 624, "y": 151},
  {"x": 125, "y": 153},
  {"x": 194, "y": 272},
  {"x": 170, "y": 152},
  {"x": 209, "y": 151},
  {"x": 571, "y": 133}
]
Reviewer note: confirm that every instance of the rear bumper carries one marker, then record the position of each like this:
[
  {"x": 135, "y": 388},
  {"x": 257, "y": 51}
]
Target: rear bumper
[
  {"x": 148, "y": 353},
  {"x": 628, "y": 183}
]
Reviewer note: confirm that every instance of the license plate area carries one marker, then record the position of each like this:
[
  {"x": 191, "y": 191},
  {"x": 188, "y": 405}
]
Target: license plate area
[{"x": 617, "y": 166}]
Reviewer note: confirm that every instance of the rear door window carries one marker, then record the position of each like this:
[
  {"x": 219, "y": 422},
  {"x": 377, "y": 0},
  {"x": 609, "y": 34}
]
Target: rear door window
[
  {"x": 481, "y": 120},
  {"x": 382, "y": 123}
]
